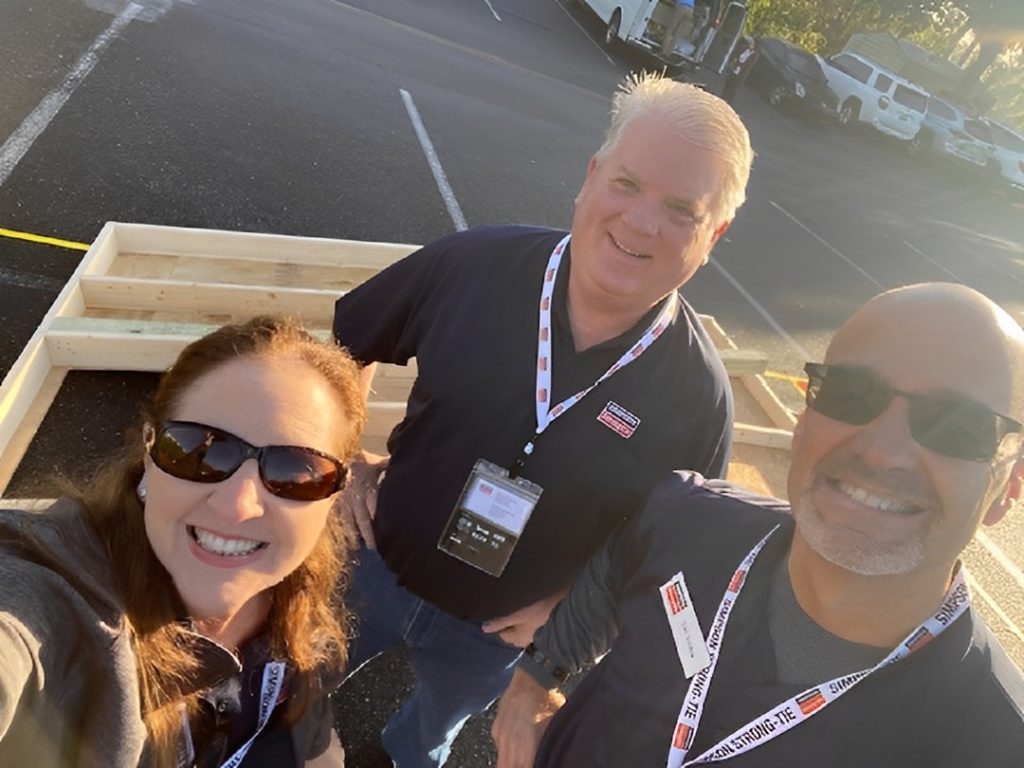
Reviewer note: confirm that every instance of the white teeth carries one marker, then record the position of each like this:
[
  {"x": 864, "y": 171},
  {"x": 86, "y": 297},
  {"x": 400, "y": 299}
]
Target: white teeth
[
  {"x": 883, "y": 503},
  {"x": 229, "y": 547},
  {"x": 623, "y": 248}
]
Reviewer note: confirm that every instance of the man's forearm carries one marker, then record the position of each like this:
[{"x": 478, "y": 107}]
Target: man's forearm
[{"x": 581, "y": 628}]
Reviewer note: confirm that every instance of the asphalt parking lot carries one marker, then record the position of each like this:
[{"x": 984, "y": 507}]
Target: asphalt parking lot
[{"x": 289, "y": 117}]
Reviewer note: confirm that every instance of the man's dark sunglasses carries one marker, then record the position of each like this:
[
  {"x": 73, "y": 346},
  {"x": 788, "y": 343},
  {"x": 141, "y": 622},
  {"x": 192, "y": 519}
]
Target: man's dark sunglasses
[
  {"x": 205, "y": 454},
  {"x": 950, "y": 424}
]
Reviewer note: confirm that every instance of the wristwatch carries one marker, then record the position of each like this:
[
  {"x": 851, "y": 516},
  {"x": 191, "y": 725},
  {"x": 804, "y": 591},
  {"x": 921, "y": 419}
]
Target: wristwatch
[{"x": 541, "y": 667}]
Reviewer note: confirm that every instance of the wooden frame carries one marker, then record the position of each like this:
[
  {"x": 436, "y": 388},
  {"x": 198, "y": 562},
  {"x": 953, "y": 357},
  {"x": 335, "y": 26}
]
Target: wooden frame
[{"x": 142, "y": 292}]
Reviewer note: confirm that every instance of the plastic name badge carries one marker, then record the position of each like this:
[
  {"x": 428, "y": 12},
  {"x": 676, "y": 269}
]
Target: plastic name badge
[{"x": 489, "y": 518}]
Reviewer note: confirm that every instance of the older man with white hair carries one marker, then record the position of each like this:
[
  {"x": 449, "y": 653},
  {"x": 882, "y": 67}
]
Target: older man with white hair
[{"x": 560, "y": 374}]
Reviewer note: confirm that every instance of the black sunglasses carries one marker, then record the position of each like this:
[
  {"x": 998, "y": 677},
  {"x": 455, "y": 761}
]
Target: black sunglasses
[
  {"x": 950, "y": 424},
  {"x": 204, "y": 454}
]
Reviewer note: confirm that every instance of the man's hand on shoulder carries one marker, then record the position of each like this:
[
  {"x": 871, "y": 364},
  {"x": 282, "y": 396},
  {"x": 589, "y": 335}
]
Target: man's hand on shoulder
[
  {"x": 518, "y": 627},
  {"x": 358, "y": 502},
  {"x": 524, "y": 712}
]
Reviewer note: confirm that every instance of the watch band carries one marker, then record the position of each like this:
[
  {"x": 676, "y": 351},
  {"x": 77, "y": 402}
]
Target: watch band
[{"x": 539, "y": 662}]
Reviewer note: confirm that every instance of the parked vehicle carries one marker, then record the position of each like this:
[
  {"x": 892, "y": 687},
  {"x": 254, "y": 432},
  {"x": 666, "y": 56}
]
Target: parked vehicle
[
  {"x": 947, "y": 132},
  {"x": 790, "y": 77},
  {"x": 1008, "y": 152},
  {"x": 869, "y": 93},
  {"x": 642, "y": 24}
]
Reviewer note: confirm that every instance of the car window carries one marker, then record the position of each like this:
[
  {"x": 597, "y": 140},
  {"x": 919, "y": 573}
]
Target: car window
[
  {"x": 1005, "y": 139},
  {"x": 804, "y": 63},
  {"x": 978, "y": 130},
  {"x": 774, "y": 48},
  {"x": 853, "y": 67},
  {"x": 942, "y": 110},
  {"x": 882, "y": 82},
  {"x": 910, "y": 98}
]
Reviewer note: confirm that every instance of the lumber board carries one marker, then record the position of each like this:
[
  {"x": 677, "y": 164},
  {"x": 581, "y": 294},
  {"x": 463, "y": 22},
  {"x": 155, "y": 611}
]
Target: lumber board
[
  {"x": 314, "y": 307},
  {"x": 27, "y": 384},
  {"x": 96, "y": 344},
  {"x": 764, "y": 437},
  {"x": 284, "y": 274},
  {"x": 130, "y": 344},
  {"x": 37, "y": 401},
  {"x": 122, "y": 344},
  {"x": 716, "y": 332},
  {"x": 739, "y": 362},
  {"x": 779, "y": 414},
  {"x": 255, "y": 246}
]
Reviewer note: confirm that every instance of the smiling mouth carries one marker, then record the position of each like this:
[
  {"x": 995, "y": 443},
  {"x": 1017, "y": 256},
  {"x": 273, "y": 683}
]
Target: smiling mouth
[
  {"x": 624, "y": 249},
  {"x": 872, "y": 499},
  {"x": 216, "y": 545}
]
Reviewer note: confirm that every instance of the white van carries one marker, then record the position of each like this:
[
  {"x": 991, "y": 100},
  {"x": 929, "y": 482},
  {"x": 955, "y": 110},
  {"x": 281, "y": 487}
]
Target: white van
[
  {"x": 872, "y": 94},
  {"x": 709, "y": 41}
]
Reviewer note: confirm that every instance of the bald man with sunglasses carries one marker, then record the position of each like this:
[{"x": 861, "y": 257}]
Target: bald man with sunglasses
[{"x": 839, "y": 635}]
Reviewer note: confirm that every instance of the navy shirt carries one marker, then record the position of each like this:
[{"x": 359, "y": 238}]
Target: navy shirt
[
  {"x": 466, "y": 307},
  {"x": 228, "y": 716},
  {"x": 956, "y": 702}
]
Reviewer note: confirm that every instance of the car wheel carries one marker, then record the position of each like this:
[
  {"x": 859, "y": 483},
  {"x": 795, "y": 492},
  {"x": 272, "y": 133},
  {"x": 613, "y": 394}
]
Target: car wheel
[
  {"x": 916, "y": 145},
  {"x": 611, "y": 33},
  {"x": 777, "y": 95},
  {"x": 849, "y": 113}
]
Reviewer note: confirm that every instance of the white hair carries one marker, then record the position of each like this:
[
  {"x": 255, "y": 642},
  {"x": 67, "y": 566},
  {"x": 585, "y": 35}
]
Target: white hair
[{"x": 701, "y": 118}]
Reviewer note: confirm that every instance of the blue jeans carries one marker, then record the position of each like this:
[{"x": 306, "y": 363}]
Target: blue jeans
[{"x": 459, "y": 669}]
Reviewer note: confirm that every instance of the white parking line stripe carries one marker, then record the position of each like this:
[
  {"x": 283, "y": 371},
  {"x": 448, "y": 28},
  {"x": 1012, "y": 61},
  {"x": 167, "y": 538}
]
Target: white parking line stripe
[
  {"x": 585, "y": 34},
  {"x": 984, "y": 595},
  {"x": 492, "y": 10},
  {"x": 1003, "y": 559},
  {"x": 824, "y": 242},
  {"x": 981, "y": 255},
  {"x": 435, "y": 165},
  {"x": 804, "y": 354},
  {"x": 932, "y": 261},
  {"x": 32, "y": 126}
]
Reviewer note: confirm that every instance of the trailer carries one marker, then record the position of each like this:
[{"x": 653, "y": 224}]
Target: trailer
[{"x": 707, "y": 38}]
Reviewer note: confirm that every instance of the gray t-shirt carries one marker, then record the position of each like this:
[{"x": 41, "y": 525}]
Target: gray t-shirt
[{"x": 806, "y": 654}]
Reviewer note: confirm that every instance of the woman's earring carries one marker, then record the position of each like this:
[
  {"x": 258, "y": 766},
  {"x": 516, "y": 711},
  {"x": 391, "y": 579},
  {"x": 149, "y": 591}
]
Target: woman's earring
[{"x": 140, "y": 490}]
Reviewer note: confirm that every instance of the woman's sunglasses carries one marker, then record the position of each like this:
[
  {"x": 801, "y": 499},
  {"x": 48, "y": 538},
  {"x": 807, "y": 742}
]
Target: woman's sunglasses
[
  {"x": 950, "y": 424},
  {"x": 204, "y": 454}
]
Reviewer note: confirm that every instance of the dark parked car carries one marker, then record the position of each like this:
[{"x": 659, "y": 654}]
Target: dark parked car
[{"x": 790, "y": 77}]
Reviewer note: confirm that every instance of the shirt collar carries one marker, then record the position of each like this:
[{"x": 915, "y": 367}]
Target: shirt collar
[{"x": 560, "y": 313}]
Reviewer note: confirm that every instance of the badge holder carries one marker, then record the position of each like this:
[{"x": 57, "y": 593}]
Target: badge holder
[{"x": 489, "y": 518}]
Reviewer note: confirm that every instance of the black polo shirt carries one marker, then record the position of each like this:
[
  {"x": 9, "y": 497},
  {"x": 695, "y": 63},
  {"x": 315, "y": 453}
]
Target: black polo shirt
[
  {"x": 466, "y": 307},
  {"x": 956, "y": 702}
]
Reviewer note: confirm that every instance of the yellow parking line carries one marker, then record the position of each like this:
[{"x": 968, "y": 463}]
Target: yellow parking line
[
  {"x": 43, "y": 239},
  {"x": 799, "y": 382}
]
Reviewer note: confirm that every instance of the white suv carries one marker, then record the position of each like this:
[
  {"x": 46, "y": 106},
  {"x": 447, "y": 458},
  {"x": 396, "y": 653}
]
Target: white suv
[
  {"x": 1008, "y": 152},
  {"x": 874, "y": 95}
]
